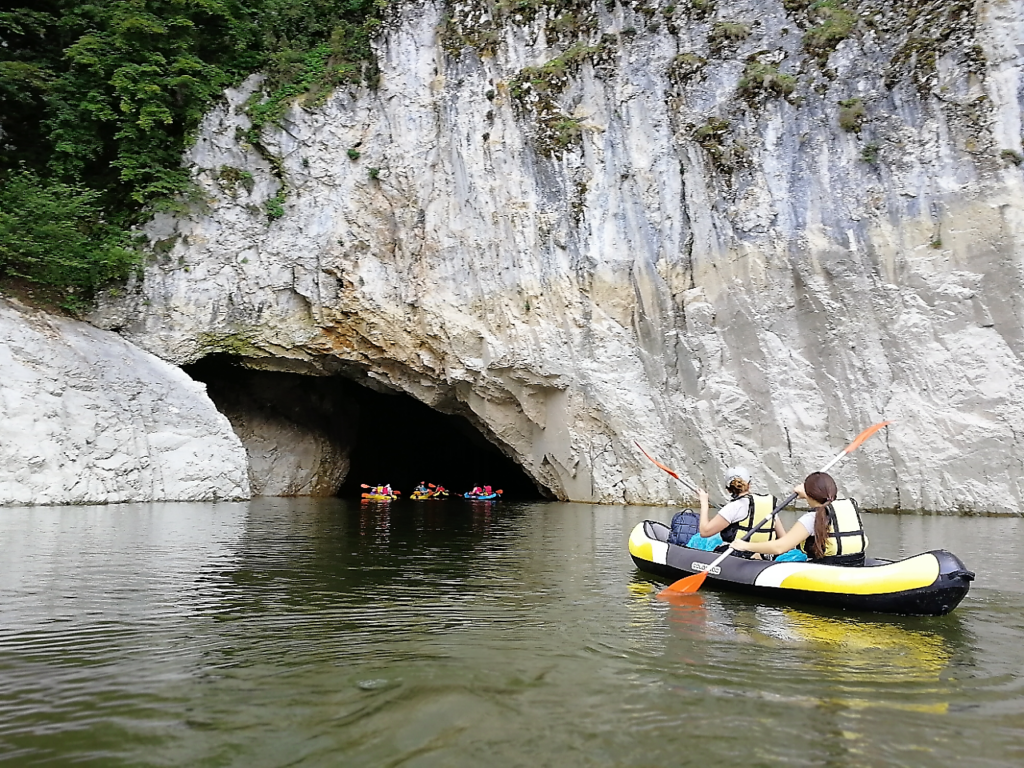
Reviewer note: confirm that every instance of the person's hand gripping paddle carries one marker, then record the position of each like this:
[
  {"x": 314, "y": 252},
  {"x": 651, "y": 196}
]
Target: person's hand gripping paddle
[{"x": 693, "y": 583}]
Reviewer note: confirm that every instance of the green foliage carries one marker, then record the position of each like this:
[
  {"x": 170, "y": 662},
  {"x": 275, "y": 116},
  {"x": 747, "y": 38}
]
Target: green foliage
[
  {"x": 712, "y": 136},
  {"x": 711, "y": 132},
  {"x": 835, "y": 23},
  {"x": 534, "y": 90},
  {"x": 275, "y": 205},
  {"x": 565, "y": 132},
  {"x": 54, "y": 234},
  {"x": 353, "y": 153},
  {"x": 480, "y": 24},
  {"x": 685, "y": 66},
  {"x": 374, "y": 173},
  {"x": 935, "y": 29},
  {"x": 105, "y": 95},
  {"x": 727, "y": 33},
  {"x": 852, "y": 115},
  {"x": 703, "y": 8},
  {"x": 231, "y": 177},
  {"x": 553, "y": 75},
  {"x": 870, "y": 153},
  {"x": 761, "y": 79}
]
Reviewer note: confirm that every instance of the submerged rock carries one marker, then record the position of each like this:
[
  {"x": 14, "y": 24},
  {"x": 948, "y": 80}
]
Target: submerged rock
[
  {"x": 88, "y": 417},
  {"x": 739, "y": 235}
]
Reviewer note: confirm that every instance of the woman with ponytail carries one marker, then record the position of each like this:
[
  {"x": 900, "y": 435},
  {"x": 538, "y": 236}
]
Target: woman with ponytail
[{"x": 831, "y": 533}]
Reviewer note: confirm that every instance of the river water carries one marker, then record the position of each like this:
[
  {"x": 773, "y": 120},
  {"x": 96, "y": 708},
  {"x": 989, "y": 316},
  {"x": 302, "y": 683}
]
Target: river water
[{"x": 287, "y": 632}]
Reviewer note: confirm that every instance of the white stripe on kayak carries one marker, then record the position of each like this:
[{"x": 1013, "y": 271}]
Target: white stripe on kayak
[
  {"x": 776, "y": 573},
  {"x": 659, "y": 551}
]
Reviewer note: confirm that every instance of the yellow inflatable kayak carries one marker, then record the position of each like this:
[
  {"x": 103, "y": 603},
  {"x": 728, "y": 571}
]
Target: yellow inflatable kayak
[
  {"x": 929, "y": 584},
  {"x": 422, "y": 496}
]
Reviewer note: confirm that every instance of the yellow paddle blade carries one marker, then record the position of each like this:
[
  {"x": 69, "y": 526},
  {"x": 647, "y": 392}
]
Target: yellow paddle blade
[{"x": 685, "y": 585}]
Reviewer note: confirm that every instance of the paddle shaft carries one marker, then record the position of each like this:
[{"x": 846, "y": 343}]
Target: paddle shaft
[{"x": 672, "y": 472}]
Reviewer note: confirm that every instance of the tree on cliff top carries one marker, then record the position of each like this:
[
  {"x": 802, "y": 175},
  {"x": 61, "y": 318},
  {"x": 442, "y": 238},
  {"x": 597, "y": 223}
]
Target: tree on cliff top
[{"x": 99, "y": 99}]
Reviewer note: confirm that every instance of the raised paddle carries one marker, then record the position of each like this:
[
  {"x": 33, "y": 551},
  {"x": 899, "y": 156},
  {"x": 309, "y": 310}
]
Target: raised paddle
[
  {"x": 693, "y": 583},
  {"x": 662, "y": 466}
]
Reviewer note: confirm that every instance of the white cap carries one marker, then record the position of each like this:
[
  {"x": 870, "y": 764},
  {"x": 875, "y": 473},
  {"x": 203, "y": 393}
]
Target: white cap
[{"x": 737, "y": 472}]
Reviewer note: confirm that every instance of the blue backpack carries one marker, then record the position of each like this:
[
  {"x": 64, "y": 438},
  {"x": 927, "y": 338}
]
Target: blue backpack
[{"x": 684, "y": 525}]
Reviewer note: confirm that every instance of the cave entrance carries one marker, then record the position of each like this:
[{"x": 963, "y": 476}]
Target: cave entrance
[{"x": 326, "y": 436}]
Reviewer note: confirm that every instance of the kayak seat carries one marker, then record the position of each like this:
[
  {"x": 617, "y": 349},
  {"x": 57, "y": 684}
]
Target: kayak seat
[{"x": 656, "y": 530}]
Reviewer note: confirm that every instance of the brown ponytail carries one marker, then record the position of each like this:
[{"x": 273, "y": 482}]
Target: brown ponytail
[
  {"x": 821, "y": 488},
  {"x": 737, "y": 487}
]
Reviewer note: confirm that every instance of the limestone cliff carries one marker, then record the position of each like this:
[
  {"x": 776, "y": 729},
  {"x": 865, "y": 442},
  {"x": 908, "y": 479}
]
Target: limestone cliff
[
  {"x": 734, "y": 231},
  {"x": 89, "y": 418}
]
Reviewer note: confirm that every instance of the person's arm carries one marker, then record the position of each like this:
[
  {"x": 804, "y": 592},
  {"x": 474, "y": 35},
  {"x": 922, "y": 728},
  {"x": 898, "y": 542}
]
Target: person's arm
[
  {"x": 780, "y": 529},
  {"x": 797, "y": 534},
  {"x": 710, "y": 527}
]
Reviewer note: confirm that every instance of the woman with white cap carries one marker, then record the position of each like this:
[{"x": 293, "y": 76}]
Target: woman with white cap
[{"x": 742, "y": 514}]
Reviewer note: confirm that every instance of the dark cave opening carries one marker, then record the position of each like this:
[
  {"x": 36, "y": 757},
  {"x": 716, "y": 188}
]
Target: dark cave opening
[{"x": 336, "y": 424}]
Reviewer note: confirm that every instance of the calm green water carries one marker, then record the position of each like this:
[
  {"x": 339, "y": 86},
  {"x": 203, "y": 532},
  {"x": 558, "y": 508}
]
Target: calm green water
[{"x": 315, "y": 633}]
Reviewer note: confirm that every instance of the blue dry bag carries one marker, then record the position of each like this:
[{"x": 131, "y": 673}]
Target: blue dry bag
[{"x": 684, "y": 525}]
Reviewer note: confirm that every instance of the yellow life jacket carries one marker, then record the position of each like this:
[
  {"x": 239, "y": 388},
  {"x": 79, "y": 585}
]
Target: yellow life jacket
[
  {"x": 845, "y": 530},
  {"x": 760, "y": 507}
]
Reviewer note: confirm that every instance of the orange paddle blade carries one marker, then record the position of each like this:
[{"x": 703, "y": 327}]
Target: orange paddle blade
[
  {"x": 363, "y": 485},
  {"x": 685, "y": 585},
  {"x": 499, "y": 492},
  {"x": 681, "y": 599},
  {"x": 864, "y": 436},
  {"x": 658, "y": 463}
]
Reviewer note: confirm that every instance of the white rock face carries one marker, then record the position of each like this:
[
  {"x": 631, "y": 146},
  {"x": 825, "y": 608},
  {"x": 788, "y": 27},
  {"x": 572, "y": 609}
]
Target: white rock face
[
  {"x": 754, "y": 290},
  {"x": 90, "y": 418}
]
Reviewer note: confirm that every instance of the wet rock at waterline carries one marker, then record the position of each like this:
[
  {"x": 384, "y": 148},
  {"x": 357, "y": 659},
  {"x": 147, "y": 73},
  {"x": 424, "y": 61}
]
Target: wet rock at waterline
[
  {"x": 87, "y": 417},
  {"x": 738, "y": 243},
  {"x": 296, "y": 432}
]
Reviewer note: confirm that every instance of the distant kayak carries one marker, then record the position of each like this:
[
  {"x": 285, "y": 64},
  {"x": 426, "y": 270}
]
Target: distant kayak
[
  {"x": 378, "y": 497},
  {"x": 487, "y": 497},
  {"x": 929, "y": 584},
  {"x": 438, "y": 492}
]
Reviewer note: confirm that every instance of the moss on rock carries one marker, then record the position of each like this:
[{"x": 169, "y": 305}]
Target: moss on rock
[
  {"x": 833, "y": 23},
  {"x": 725, "y": 35},
  {"x": 534, "y": 92},
  {"x": 852, "y": 115},
  {"x": 763, "y": 80}
]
